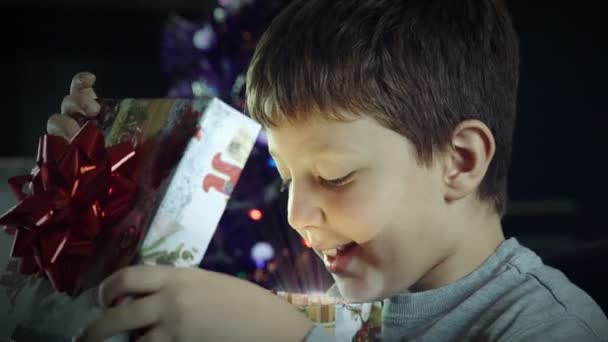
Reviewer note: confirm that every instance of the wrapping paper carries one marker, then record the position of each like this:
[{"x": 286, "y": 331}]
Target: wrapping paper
[
  {"x": 359, "y": 322},
  {"x": 189, "y": 156}
]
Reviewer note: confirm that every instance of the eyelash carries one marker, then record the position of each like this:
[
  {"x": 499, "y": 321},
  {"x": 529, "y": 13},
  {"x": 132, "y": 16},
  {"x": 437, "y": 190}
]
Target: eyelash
[{"x": 328, "y": 183}]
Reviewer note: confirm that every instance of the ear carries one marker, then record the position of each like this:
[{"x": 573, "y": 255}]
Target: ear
[{"x": 467, "y": 158}]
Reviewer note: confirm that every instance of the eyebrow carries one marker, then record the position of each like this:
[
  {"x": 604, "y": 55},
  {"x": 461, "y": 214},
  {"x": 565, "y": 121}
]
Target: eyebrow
[{"x": 321, "y": 151}]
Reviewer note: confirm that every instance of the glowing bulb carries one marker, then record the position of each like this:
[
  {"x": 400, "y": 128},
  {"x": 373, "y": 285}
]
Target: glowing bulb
[
  {"x": 262, "y": 252},
  {"x": 204, "y": 38},
  {"x": 255, "y": 214}
]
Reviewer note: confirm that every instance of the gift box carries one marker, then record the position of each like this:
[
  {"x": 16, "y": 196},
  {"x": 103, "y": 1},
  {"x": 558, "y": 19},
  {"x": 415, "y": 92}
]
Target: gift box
[
  {"x": 146, "y": 182},
  {"x": 360, "y": 322}
]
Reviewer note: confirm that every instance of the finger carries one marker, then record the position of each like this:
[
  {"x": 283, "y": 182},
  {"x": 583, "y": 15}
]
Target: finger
[
  {"x": 88, "y": 92},
  {"x": 80, "y": 104},
  {"x": 82, "y": 80},
  {"x": 156, "y": 334},
  {"x": 134, "y": 280},
  {"x": 141, "y": 313},
  {"x": 62, "y": 126}
]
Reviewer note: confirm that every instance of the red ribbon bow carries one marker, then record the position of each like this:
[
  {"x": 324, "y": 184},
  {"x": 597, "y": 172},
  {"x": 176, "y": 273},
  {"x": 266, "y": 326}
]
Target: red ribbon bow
[{"x": 79, "y": 188}]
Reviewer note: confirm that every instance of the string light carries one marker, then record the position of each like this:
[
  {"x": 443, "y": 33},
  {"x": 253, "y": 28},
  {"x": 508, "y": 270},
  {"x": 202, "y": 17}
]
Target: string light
[
  {"x": 261, "y": 253},
  {"x": 255, "y": 214}
]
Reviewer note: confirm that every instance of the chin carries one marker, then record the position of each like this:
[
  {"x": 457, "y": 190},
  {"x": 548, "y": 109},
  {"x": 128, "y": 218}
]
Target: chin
[{"x": 359, "y": 290}]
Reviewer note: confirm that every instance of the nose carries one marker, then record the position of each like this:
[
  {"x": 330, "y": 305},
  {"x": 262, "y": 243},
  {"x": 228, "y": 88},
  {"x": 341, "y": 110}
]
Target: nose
[{"x": 303, "y": 207}]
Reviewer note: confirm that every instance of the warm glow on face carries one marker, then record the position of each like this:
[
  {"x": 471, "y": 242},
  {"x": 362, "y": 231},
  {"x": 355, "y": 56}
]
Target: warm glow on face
[{"x": 359, "y": 181}]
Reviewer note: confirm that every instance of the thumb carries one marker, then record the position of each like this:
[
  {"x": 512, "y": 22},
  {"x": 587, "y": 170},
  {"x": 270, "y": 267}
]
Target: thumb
[{"x": 81, "y": 81}]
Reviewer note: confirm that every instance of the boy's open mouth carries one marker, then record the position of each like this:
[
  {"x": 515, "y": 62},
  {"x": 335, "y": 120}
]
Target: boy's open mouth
[
  {"x": 340, "y": 250},
  {"x": 337, "y": 259}
]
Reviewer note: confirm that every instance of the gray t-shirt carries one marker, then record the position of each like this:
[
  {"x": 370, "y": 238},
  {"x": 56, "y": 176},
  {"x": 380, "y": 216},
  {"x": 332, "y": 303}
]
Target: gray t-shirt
[{"x": 511, "y": 296}]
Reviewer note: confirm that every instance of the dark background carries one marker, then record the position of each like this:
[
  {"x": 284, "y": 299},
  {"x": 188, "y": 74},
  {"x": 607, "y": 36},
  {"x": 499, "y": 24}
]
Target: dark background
[{"x": 557, "y": 182}]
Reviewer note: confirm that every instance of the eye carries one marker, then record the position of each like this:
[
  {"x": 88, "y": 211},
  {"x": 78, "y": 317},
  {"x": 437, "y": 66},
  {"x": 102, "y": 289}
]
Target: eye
[
  {"x": 336, "y": 183},
  {"x": 285, "y": 185}
]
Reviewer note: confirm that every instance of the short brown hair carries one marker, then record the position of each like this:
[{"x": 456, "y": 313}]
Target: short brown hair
[{"x": 418, "y": 67}]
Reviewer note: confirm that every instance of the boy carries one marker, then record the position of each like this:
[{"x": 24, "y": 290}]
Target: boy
[{"x": 391, "y": 125}]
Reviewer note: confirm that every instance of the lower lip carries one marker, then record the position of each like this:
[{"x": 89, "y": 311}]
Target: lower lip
[{"x": 339, "y": 263}]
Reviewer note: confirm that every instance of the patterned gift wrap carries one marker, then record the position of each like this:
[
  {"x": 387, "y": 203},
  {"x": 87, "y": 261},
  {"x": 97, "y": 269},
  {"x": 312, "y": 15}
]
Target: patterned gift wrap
[
  {"x": 206, "y": 168},
  {"x": 321, "y": 310},
  {"x": 360, "y": 322},
  {"x": 347, "y": 322},
  {"x": 189, "y": 158}
]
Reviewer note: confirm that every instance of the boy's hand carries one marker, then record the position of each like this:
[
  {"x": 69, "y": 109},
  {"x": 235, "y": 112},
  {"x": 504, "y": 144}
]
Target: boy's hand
[
  {"x": 180, "y": 304},
  {"x": 191, "y": 304},
  {"x": 81, "y": 100}
]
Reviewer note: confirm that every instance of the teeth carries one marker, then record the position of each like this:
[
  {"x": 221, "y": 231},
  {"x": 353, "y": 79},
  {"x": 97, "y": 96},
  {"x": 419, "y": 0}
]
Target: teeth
[
  {"x": 334, "y": 251},
  {"x": 344, "y": 246},
  {"x": 331, "y": 252}
]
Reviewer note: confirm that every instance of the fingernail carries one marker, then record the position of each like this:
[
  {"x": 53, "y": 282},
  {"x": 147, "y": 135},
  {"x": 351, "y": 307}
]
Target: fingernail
[
  {"x": 86, "y": 77},
  {"x": 82, "y": 78}
]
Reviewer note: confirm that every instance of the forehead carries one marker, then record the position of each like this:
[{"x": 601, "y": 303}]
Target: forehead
[{"x": 361, "y": 135}]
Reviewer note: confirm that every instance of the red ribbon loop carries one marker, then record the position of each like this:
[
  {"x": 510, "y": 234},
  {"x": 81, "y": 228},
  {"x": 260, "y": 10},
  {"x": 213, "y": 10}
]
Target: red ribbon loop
[{"x": 79, "y": 188}]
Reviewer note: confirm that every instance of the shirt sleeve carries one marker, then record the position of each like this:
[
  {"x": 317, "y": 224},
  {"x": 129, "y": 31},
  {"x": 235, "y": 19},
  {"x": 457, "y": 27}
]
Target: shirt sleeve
[
  {"x": 318, "y": 334},
  {"x": 564, "y": 329}
]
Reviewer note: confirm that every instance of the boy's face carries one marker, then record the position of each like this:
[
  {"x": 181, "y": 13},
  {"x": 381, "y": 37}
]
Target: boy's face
[{"x": 360, "y": 182}]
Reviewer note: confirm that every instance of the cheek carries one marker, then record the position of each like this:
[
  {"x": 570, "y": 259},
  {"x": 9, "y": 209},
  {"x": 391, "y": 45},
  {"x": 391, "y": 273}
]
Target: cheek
[
  {"x": 406, "y": 206},
  {"x": 356, "y": 216},
  {"x": 415, "y": 192}
]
